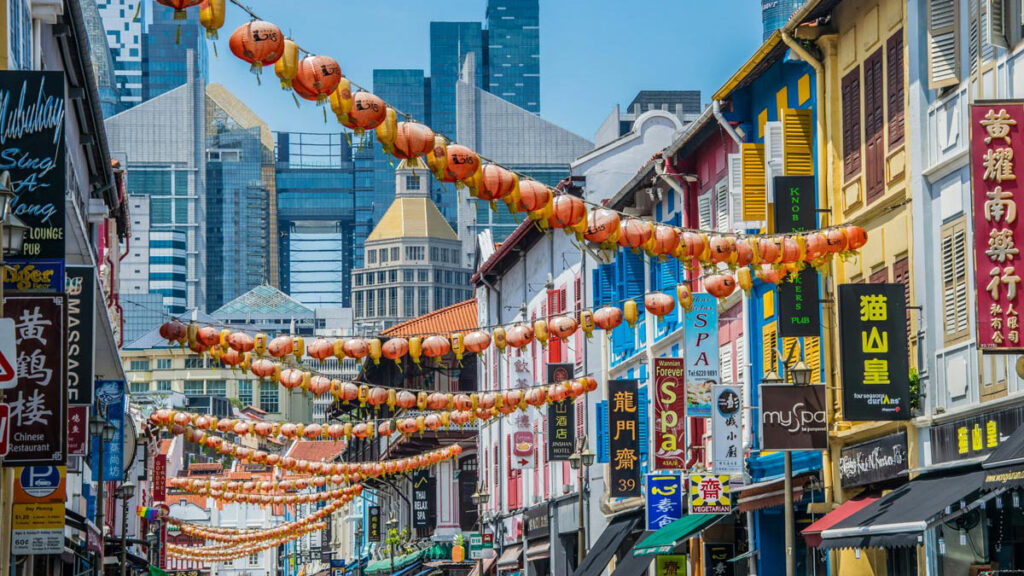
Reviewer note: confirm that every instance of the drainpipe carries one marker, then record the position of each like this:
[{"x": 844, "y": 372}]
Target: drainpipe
[{"x": 716, "y": 111}]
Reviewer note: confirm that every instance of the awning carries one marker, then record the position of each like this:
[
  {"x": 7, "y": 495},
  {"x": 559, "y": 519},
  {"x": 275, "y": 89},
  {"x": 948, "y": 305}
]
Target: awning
[
  {"x": 665, "y": 540},
  {"x": 511, "y": 557},
  {"x": 538, "y": 550},
  {"x": 403, "y": 564},
  {"x": 488, "y": 564},
  {"x": 602, "y": 551},
  {"x": 899, "y": 518},
  {"x": 744, "y": 556},
  {"x": 631, "y": 565},
  {"x": 770, "y": 493},
  {"x": 1005, "y": 467},
  {"x": 812, "y": 534}
]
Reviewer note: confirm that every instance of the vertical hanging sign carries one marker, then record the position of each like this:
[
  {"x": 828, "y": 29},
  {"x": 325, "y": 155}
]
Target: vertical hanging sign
[
  {"x": 373, "y": 524},
  {"x": 624, "y": 438},
  {"x": 727, "y": 430},
  {"x": 80, "y": 286},
  {"x": 799, "y": 312},
  {"x": 996, "y": 144},
  {"x": 110, "y": 403},
  {"x": 669, "y": 411},
  {"x": 701, "y": 354},
  {"x": 423, "y": 497},
  {"x": 561, "y": 417}
]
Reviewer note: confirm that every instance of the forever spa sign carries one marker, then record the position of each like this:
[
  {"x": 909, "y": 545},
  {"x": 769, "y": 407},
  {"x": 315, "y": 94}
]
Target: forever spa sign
[{"x": 32, "y": 150}]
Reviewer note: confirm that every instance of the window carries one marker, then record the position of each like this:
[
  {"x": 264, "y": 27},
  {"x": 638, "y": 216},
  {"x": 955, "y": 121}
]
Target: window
[
  {"x": 448, "y": 279},
  {"x": 359, "y": 304},
  {"x": 455, "y": 256},
  {"x": 193, "y": 362},
  {"x": 371, "y": 256},
  {"x": 423, "y": 295},
  {"x": 423, "y": 276},
  {"x": 383, "y": 255},
  {"x": 381, "y": 302},
  {"x": 216, "y": 388},
  {"x": 901, "y": 275},
  {"x": 163, "y": 363},
  {"x": 369, "y": 303},
  {"x": 393, "y": 276},
  {"x": 194, "y": 388},
  {"x": 359, "y": 279},
  {"x": 439, "y": 298},
  {"x": 380, "y": 277},
  {"x": 254, "y": 559},
  {"x": 394, "y": 254},
  {"x": 268, "y": 397},
  {"x": 943, "y": 43},
  {"x": 408, "y": 275},
  {"x": 894, "y": 90},
  {"x": 138, "y": 387},
  {"x": 956, "y": 321},
  {"x": 433, "y": 254},
  {"x": 140, "y": 365},
  {"x": 408, "y": 301},
  {"x": 163, "y": 385},
  {"x": 851, "y": 123},
  {"x": 393, "y": 301},
  {"x": 414, "y": 253},
  {"x": 245, "y": 392},
  {"x": 412, "y": 182},
  {"x": 874, "y": 152}
]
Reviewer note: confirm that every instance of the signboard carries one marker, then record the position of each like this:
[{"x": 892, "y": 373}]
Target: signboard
[
  {"x": 996, "y": 145},
  {"x": 78, "y": 430},
  {"x": 523, "y": 450},
  {"x": 20, "y": 275},
  {"x": 873, "y": 341},
  {"x": 669, "y": 414},
  {"x": 337, "y": 567},
  {"x": 727, "y": 429},
  {"x": 717, "y": 555},
  {"x": 701, "y": 354},
  {"x": 373, "y": 524},
  {"x": 110, "y": 402},
  {"x": 39, "y": 402},
  {"x": 793, "y": 417},
  {"x": 624, "y": 440},
  {"x": 80, "y": 287},
  {"x": 481, "y": 546},
  {"x": 8, "y": 355},
  {"x": 424, "y": 497},
  {"x": 670, "y": 565},
  {"x": 799, "y": 308},
  {"x": 5, "y": 428},
  {"x": 32, "y": 146},
  {"x": 873, "y": 461},
  {"x": 160, "y": 478},
  {"x": 710, "y": 494},
  {"x": 538, "y": 522},
  {"x": 974, "y": 436},
  {"x": 37, "y": 518},
  {"x": 561, "y": 429},
  {"x": 664, "y": 500},
  {"x": 325, "y": 543}
]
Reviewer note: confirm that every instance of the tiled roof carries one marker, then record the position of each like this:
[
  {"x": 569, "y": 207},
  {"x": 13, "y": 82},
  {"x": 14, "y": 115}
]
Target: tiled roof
[
  {"x": 317, "y": 451},
  {"x": 194, "y": 499},
  {"x": 165, "y": 446},
  {"x": 454, "y": 318},
  {"x": 264, "y": 301}
]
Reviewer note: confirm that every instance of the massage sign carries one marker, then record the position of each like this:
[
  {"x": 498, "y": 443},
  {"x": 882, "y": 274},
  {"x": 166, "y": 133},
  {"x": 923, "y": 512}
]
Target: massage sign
[{"x": 996, "y": 146}]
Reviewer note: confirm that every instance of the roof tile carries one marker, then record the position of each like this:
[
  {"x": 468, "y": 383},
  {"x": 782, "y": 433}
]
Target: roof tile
[{"x": 457, "y": 317}]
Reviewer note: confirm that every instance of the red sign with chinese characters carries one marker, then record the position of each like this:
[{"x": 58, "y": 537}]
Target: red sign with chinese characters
[
  {"x": 160, "y": 478},
  {"x": 78, "y": 427},
  {"x": 669, "y": 414},
  {"x": 997, "y": 144}
]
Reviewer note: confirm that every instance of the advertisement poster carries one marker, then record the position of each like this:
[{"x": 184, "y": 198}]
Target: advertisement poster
[
  {"x": 799, "y": 307},
  {"x": 670, "y": 565},
  {"x": 32, "y": 142},
  {"x": 793, "y": 417},
  {"x": 701, "y": 354},
  {"x": 38, "y": 404},
  {"x": 669, "y": 414},
  {"x": 664, "y": 500},
  {"x": 873, "y": 343},
  {"x": 716, "y": 558},
  {"x": 37, "y": 518},
  {"x": 996, "y": 146},
  {"x": 424, "y": 495},
  {"x": 80, "y": 287},
  {"x": 710, "y": 494},
  {"x": 110, "y": 403},
  {"x": 78, "y": 430},
  {"x": 727, "y": 429},
  {"x": 624, "y": 443}
]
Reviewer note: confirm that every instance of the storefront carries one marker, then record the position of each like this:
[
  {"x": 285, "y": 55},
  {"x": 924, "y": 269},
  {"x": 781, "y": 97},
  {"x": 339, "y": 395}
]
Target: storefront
[
  {"x": 679, "y": 543},
  {"x": 617, "y": 538},
  {"x": 538, "y": 540},
  {"x": 565, "y": 534}
]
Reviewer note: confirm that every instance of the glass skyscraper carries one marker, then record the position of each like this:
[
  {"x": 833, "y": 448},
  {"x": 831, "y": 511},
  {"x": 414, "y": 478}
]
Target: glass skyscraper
[
  {"x": 513, "y": 52},
  {"x": 775, "y": 14},
  {"x": 167, "y": 42},
  {"x": 449, "y": 44},
  {"x": 123, "y": 26}
]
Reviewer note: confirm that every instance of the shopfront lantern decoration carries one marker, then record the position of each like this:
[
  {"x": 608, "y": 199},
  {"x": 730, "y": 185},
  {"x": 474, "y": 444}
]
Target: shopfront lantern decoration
[
  {"x": 770, "y": 250},
  {"x": 321, "y": 349},
  {"x": 415, "y": 349},
  {"x": 567, "y": 211},
  {"x": 519, "y": 336},
  {"x": 745, "y": 251},
  {"x": 815, "y": 247},
  {"x": 856, "y": 237},
  {"x": 536, "y": 397},
  {"x": 349, "y": 392},
  {"x": 602, "y": 226},
  {"x": 412, "y": 140},
  {"x": 791, "y": 252},
  {"x": 437, "y": 401},
  {"x": 231, "y": 357},
  {"x": 664, "y": 241},
  {"x": 744, "y": 279},
  {"x": 388, "y": 130},
  {"x": 179, "y": 7},
  {"x": 368, "y": 111},
  {"x": 257, "y": 42},
  {"x": 720, "y": 285},
  {"x": 319, "y": 385},
  {"x": 695, "y": 244},
  {"x": 587, "y": 323},
  {"x": 376, "y": 397},
  {"x": 375, "y": 351},
  {"x": 562, "y": 327},
  {"x": 458, "y": 343},
  {"x": 462, "y": 163},
  {"x": 608, "y": 318},
  {"x": 211, "y": 16},
  {"x": 634, "y": 233},
  {"x": 287, "y": 66},
  {"x": 659, "y": 304},
  {"x": 770, "y": 274},
  {"x": 405, "y": 400},
  {"x": 462, "y": 402},
  {"x": 356, "y": 348},
  {"x": 385, "y": 429},
  {"x": 395, "y": 349},
  {"x": 556, "y": 393},
  {"x": 436, "y": 346},
  {"x": 437, "y": 157},
  {"x": 477, "y": 341},
  {"x": 684, "y": 296},
  {"x": 723, "y": 249},
  {"x": 280, "y": 347},
  {"x": 630, "y": 313},
  {"x": 497, "y": 183},
  {"x": 291, "y": 378},
  {"x": 836, "y": 240},
  {"x": 241, "y": 342},
  {"x": 540, "y": 332},
  {"x": 533, "y": 195}
]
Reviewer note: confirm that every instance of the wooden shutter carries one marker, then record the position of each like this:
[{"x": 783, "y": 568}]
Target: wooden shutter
[
  {"x": 578, "y": 337},
  {"x": 755, "y": 203},
  {"x": 769, "y": 342},
  {"x": 704, "y": 211},
  {"x": 895, "y": 91},
  {"x": 851, "y": 123},
  {"x": 880, "y": 276},
  {"x": 554, "y": 344},
  {"x": 798, "y": 135},
  {"x": 954, "y": 281},
  {"x": 874, "y": 120},
  {"x": 996, "y": 20},
  {"x": 943, "y": 43},
  {"x": 975, "y": 34},
  {"x": 790, "y": 354},
  {"x": 901, "y": 275},
  {"x": 812, "y": 357}
]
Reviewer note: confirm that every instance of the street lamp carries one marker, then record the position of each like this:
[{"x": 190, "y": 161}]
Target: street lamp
[
  {"x": 100, "y": 428},
  {"x": 392, "y": 525},
  {"x": 580, "y": 461},
  {"x": 480, "y": 498},
  {"x": 800, "y": 374},
  {"x": 124, "y": 492}
]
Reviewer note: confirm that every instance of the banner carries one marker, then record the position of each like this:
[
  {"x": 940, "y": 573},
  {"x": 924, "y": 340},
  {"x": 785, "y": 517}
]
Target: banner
[
  {"x": 717, "y": 555},
  {"x": 624, "y": 441},
  {"x": 325, "y": 543},
  {"x": 874, "y": 461},
  {"x": 727, "y": 429},
  {"x": 793, "y": 417},
  {"x": 664, "y": 500},
  {"x": 110, "y": 403},
  {"x": 37, "y": 518},
  {"x": 795, "y": 211},
  {"x": 160, "y": 478},
  {"x": 561, "y": 417},
  {"x": 710, "y": 494},
  {"x": 873, "y": 341},
  {"x": 32, "y": 146},
  {"x": 996, "y": 144},
  {"x": 80, "y": 286},
  {"x": 669, "y": 414},
  {"x": 373, "y": 524},
  {"x": 78, "y": 430},
  {"x": 424, "y": 497},
  {"x": 701, "y": 354},
  {"x": 38, "y": 404}
]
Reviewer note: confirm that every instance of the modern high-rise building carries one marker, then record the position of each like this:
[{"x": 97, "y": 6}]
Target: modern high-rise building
[
  {"x": 123, "y": 23},
  {"x": 512, "y": 60},
  {"x": 775, "y": 14},
  {"x": 102, "y": 59},
  {"x": 16, "y": 52},
  {"x": 684, "y": 104},
  {"x": 167, "y": 43},
  {"x": 409, "y": 92}
]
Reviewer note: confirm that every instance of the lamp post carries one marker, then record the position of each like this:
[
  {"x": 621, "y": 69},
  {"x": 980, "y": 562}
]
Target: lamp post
[
  {"x": 800, "y": 373},
  {"x": 124, "y": 492},
  {"x": 392, "y": 525},
  {"x": 580, "y": 461},
  {"x": 480, "y": 498},
  {"x": 100, "y": 428}
]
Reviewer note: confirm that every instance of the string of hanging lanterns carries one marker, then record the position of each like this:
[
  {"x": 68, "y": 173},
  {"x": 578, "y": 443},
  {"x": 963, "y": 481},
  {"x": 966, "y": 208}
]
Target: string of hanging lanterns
[
  {"x": 235, "y": 550},
  {"x": 223, "y": 494},
  {"x": 272, "y": 487}
]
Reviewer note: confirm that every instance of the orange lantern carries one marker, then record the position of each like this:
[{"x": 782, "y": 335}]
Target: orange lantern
[
  {"x": 173, "y": 331},
  {"x": 395, "y": 349},
  {"x": 770, "y": 274},
  {"x": 770, "y": 250},
  {"x": 695, "y": 244},
  {"x": 257, "y": 42},
  {"x": 836, "y": 239},
  {"x": 666, "y": 240},
  {"x": 562, "y": 327},
  {"x": 608, "y": 318},
  {"x": 321, "y": 349},
  {"x": 601, "y": 225},
  {"x": 368, "y": 111},
  {"x": 634, "y": 233},
  {"x": 280, "y": 346},
  {"x": 463, "y": 402},
  {"x": 815, "y": 246},
  {"x": 291, "y": 378},
  {"x": 723, "y": 248},
  {"x": 477, "y": 341},
  {"x": 208, "y": 336},
  {"x": 376, "y": 396},
  {"x": 179, "y": 6},
  {"x": 462, "y": 163},
  {"x": 567, "y": 210},
  {"x": 856, "y": 237},
  {"x": 231, "y": 358},
  {"x": 536, "y": 397},
  {"x": 356, "y": 348},
  {"x": 241, "y": 342},
  {"x": 263, "y": 368},
  {"x": 412, "y": 140},
  {"x": 349, "y": 392},
  {"x": 316, "y": 78},
  {"x": 533, "y": 195},
  {"x": 405, "y": 400},
  {"x": 497, "y": 183},
  {"x": 659, "y": 304},
  {"x": 319, "y": 385},
  {"x": 744, "y": 252},
  {"x": 519, "y": 336},
  {"x": 720, "y": 285},
  {"x": 436, "y": 346},
  {"x": 790, "y": 251}
]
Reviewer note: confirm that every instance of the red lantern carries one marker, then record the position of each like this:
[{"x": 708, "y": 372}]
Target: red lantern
[
  {"x": 498, "y": 183},
  {"x": 601, "y": 224},
  {"x": 533, "y": 195},
  {"x": 241, "y": 342},
  {"x": 536, "y": 397},
  {"x": 567, "y": 211},
  {"x": 263, "y": 368},
  {"x": 356, "y": 348},
  {"x": 659, "y": 304},
  {"x": 231, "y": 357},
  {"x": 377, "y": 396},
  {"x": 695, "y": 244},
  {"x": 257, "y": 42},
  {"x": 666, "y": 239},
  {"x": 837, "y": 242},
  {"x": 405, "y": 400},
  {"x": 173, "y": 331},
  {"x": 856, "y": 237},
  {"x": 463, "y": 402},
  {"x": 790, "y": 251},
  {"x": 368, "y": 111},
  {"x": 769, "y": 274},
  {"x": 280, "y": 347},
  {"x": 720, "y": 285},
  {"x": 816, "y": 246},
  {"x": 395, "y": 349},
  {"x": 312, "y": 431},
  {"x": 634, "y": 233},
  {"x": 723, "y": 248},
  {"x": 744, "y": 252},
  {"x": 770, "y": 250},
  {"x": 179, "y": 6},
  {"x": 349, "y": 392},
  {"x": 412, "y": 140},
  {"x": 208, "y": 336},
  {"x": 316, "y": 78},
  {"x": 477, "y": 341},
  {"x": 437, "y": 401},
  {"x": 462, "y": 163},
  {"x": 436, "y": 346},
  {"x": 319, "y": 385},
  {"x": 519, "y": 336},
  {"x": 321, "y": 349},
  {"x": 608, "y": 318},
  {"x": 562, "y": 327}
]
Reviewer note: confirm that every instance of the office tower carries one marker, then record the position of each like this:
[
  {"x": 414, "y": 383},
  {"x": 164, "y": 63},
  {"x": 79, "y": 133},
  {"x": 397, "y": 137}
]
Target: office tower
[
  {"x": 775, "y": 14},
  {"x": 161, "y": 145},
  {"x": 102, "y": 59},
  {"x": 407, "y": 91},
  {"x": 166, "y": 47},
  {"x": 122, "y": 22},
  {"x": 512, "y": 58},
  {"x": 684, "y": 104},
  {"x": 240, "y": 231}
]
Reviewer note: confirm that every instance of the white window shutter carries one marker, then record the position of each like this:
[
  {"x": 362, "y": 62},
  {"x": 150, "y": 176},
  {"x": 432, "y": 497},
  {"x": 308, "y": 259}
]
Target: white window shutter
[
  {"x": 943, "y": 44},
  {"x": 725, "y": 356},
  {"x": 996, "y": 21},
  {"x": 774, "y": 155},
  {"x": 704, "y": 211},
  {"x": 735, "y": 187},
  {"x": 722, "y": 205}
]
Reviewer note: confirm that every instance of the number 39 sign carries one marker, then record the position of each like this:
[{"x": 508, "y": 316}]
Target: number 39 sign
[{"x": 624, "y": 438}]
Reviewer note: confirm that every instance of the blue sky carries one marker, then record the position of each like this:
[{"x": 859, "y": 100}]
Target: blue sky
[{"x": 594, "y": 53}]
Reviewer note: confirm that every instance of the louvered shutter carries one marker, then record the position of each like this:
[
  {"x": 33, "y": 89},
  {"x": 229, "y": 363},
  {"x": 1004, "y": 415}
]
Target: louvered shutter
[
  {"x": 895, "y": 90},
  {"x": 975, "y": 35},
  {"x": 768, "y": 345},
  {"x": 774, "y": 155},
  {"x": 812, "y": 357},
  {"x": 755, "y": 206},
  {"x": 997, "y": 23},
  {"x": 789, "y": 357},
  {"x": 943, "y": 44},
  {"x": 874, "y": 162},
  {"x": 725, "y": 362},
  {"x": 735, "y": 186},
  {"x": 722, "y": 205},
  {"x": 901, "y": 275},
  {"x": 851, "y": 123},
  {"x": 602, "y": 431},
  {"x": 581, "y": 429},
  {"x": 741, "y": 360},
  {"x": 644, "y": 428},
  {"x": 954, "y": 281},
  {"x": 578, "y": 342},
  {"x": 704, "y": 211},
  {"x": 798, "y": 136}
]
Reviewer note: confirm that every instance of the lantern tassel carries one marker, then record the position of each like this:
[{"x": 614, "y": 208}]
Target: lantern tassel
[
  {"x": 177, "y": 38},
  {"x": 215, "y": 54}
]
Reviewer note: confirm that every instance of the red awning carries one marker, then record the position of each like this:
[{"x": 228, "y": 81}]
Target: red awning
[{"x": 812, "y": 534}]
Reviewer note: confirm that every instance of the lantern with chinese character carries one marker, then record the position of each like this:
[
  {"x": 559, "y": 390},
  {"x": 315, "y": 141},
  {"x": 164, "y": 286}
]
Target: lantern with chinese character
[
  {"x": 659, "y": 304},
  {"x": 257, "y": 42},
  {"x": 368, "y": 111},
  {"x": 720, "y": 285},
  {"x": 316, "y": 78}
]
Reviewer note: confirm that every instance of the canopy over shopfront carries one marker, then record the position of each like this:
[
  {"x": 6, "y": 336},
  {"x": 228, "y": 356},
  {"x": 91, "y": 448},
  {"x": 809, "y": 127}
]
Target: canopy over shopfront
[
  {"x": 900, "y": 518},
  {"x": 510, "y": 559},
  {"x": 1005, "y": 467},
  {"x": 667, "y": 539},
  {"x": 812, "y": 534},
  {"x": 602, "y": 551}
]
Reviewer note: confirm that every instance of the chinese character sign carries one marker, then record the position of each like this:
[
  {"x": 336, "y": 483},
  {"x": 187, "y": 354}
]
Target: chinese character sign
[
  {"x": 701, "y": 354},
  {"x": 110, "y": 403},
  {"x": 727, "y": 429},
  {"x": 710, "y": 494},
  {"x": 873, "y": 341},
  {"x": 38, "y": 404},
  {"x": 624, "y": 438},
  {"x": 670, "y": 565},
  {"x": 423, "y": 498},
  {"x": 78, "y": 430},
  {"x": 80, "y": 286},
  {"x": 664, "y": 499},
  {"x": 716, "y": 559},
  {"x": 373, "y": 524},
  {"x": 669, "y": 414},
  {"x": 561, "y": 429},
  {"x": 996, "y": 145}
]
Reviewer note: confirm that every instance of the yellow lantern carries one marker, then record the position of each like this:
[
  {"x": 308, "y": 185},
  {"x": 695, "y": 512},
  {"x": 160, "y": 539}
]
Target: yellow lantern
[
  {"x": 375, "y": 350},
  {"x": 388, "y": 130},
  {"x": 458, "y": 345},
  {"x": 540, "y": 332},
  {"x": 298, "y": 347},
  {"x": 630, "y": 312},
  {"x": 287, "y": 66},
  {"x": 211, "y": 17},
  {"x": 415, "y": 349},
  {"x": 437, "y": 158},
  {"x": 260, "y": 343},
  {"x": 341, "y": 99},
  {"x": 499, "y": 338},
  {"x": 587, "y": 322}
]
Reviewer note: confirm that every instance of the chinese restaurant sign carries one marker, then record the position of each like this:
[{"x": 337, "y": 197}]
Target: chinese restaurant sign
[
  {"x": 423, "y": 494},
  {"x": 670, "y": 565},
  {"x": 793, "y": 417},
  {"x": 111, "y": 405},
  {"x": 80, "y": 286},
  {"x": 701, "y": 354},
  {"x": 973, "y": 436},
  {"x": 799, "y": 313},
  {"x": 39, "y": 402},
  {"x": 669, "y": 411},
  {"x": 37, "y": 518},
  {"x": 717, "y": 555},
  {"x": 78, "y": 430},
  {"x": 373, "y": 524},
  {"x": 32, "y": 148},
  {"x": 664, "y": 500},
  {"x": 727, "y": 429},
  {"x": 873, "y": 340},
  {"x": 996, "y": 145},
  {"x": 710, "y": 494},
  {"x": 624, "y": 441},
  {"x": 561, "y": 417}
]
